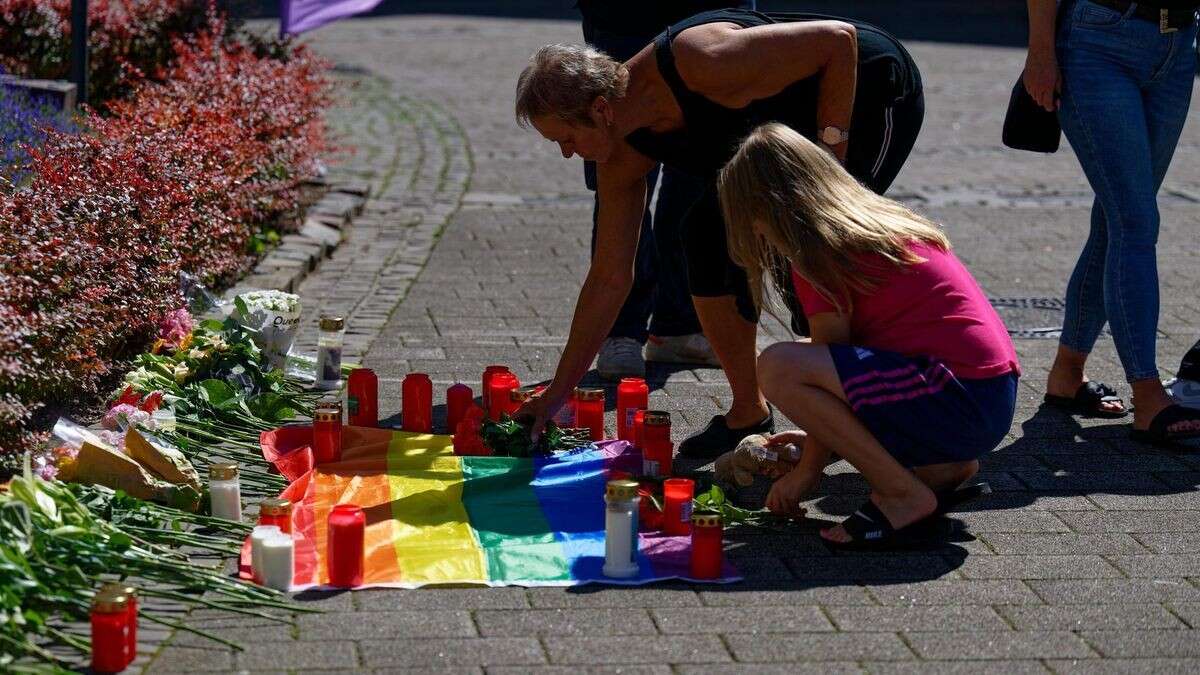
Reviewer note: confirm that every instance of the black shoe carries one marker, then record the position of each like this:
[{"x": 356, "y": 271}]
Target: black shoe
[{"x": 718, "y": 439}]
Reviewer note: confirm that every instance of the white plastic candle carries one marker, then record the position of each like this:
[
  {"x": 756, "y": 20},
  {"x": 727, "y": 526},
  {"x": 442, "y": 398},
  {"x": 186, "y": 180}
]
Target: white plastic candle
[
  {"x": 620, "y": 529},
  {"x": 224, "y": 491},
  {"x": 277, "y": 562},
  {"x": 257, "y": 537}
]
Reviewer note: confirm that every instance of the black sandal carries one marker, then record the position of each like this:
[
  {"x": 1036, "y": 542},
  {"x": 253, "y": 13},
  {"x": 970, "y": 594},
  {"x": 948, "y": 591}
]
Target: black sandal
[
  {"x": 870, "y": 530},
  {"x": 1174, "y": 423},
  {"x": 1087, "y": 401},
  {"x": 949, "y": 500}
]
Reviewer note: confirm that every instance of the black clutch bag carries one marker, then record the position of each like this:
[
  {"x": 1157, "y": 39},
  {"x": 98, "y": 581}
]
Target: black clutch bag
[{"x": 1029, "y": 126}]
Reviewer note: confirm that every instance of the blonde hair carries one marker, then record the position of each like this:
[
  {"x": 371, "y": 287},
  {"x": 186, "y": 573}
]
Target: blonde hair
[
  {"x": 814, "y": 215},
  {"x": 563, "y": 81}
]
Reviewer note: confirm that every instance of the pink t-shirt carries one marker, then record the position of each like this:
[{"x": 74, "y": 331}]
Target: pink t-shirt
[{"x": 934, "y": 309}]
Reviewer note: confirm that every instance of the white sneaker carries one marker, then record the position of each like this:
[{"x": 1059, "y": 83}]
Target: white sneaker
[
  {"x": 620, "y": 357},
  {"x": 691, "y": 349}
]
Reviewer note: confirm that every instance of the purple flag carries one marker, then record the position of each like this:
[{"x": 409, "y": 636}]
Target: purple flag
[{"x": 298, "y": 16}]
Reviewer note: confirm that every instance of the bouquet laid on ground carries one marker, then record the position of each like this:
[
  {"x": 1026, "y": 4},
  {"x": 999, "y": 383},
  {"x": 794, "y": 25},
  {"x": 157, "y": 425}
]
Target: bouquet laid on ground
[{"x": 274, "y": 316}]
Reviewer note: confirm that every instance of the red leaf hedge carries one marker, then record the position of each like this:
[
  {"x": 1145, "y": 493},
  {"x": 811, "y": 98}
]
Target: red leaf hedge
[{"x": 177, "y": 177}]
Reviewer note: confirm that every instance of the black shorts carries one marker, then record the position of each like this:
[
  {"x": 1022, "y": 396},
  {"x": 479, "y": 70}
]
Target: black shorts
[{"x": 883, "y": 139}]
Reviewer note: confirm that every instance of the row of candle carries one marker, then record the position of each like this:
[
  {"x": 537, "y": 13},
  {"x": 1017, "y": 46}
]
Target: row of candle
[{"x": 622, "y": 502}]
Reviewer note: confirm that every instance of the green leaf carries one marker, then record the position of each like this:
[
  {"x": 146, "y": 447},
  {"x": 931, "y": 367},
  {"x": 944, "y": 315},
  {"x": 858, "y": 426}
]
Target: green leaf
[{"x": 216, "y": 392}]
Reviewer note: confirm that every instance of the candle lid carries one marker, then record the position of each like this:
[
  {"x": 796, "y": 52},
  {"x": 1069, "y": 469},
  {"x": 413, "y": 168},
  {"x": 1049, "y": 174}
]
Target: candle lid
[
  {"x": 522, "y": 394},
  {"x": 633, "y": 380},
  {"x": 416, "y": 376},
  {"x": 496, "y": 369},
  {"x": 109, "y": 603},
  {"x": 706, "y": 520},
  {"x": 332, "y": 323},
  {"x": 275, "y": 507},
  {"x": 266, "y": 531},
  {"x": 621, "y": 489},
  {"x": 329, "y": 403},
  {"x": 657, "y": 418},
  {"x": 223, "y": 471},
  {"x": 114, "y": 588},
  {"x": 327, "y": 416},
  {"x": 589, "y": 394}
]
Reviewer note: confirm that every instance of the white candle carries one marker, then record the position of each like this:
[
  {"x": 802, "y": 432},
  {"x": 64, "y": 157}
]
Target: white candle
[
  {"x": 225, "y": 493},
  {"x": 620, "y": 529},
  {"x": 277, "y": 562},
  {"x": 257, "y": 537}
]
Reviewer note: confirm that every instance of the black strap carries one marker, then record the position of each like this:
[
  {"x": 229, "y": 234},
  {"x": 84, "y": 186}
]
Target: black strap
[
  {"x": 666, "y": 67},
  {"x": 1161, "y": 425},
  {"x": 868, "y": 524}
]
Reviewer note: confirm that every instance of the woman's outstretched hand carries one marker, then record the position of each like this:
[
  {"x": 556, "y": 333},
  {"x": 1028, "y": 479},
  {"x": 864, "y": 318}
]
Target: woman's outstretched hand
[{"x": 785, "y": 495}]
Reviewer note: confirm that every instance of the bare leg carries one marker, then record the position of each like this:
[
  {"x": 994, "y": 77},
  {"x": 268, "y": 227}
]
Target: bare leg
[
  {"x": 1149, "y": 399},
  {"x": 801, "y": 380},
  {"x": 946, "y": 476},
  {"x": 1067, "y": 374},
  {"x": 732, "y": 339}
]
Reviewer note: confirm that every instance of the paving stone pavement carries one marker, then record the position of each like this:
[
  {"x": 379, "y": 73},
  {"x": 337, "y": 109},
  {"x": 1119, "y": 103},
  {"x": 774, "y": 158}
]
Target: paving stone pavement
[{"x": 1086, "y": 558}]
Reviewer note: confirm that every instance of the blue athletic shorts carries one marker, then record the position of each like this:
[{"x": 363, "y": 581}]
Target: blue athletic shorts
[{"x": 919, "y": 411}]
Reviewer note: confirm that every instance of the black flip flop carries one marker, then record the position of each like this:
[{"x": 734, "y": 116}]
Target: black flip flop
[
  {"x": 1087, "y": 401},
  {"x": 870, "y": 531},
  {"x": 1174, "y": 423},
  {"x": 949, "y": 500}
]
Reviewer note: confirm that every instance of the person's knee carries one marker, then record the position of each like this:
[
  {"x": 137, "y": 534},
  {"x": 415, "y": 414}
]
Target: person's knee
[{"x": 780, "y": 367}]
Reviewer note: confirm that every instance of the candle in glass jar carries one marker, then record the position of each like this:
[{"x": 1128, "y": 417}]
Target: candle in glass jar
[
  {"x": 416, "y": 401},
  {"x": 225, "y": 492},
  {"x": 639, "y": 424},
  {"x": 632, "y": 395},
  {"x": 677, "y": 506},
  {"x": 499, "y": 396},
  {"x": 329, "y": 352},
  {"x": 656, "y": 426},
  {"x": 277, "y": 562},
  {"x": 589, "y": 411},
  {"x": 620, "y": 529},
  {"x": 276, "y": 512},
  {"x": 110, "y": 633},
  {"x": 656, "y": 458},
  {"x": 130, "y": 593},
  {"x": 258, "y": 535},
  {"x": 347, "y": 528},
  {"x": 459, "y": 398},
  {"x": 707, "y": 554},
  {"x": 327, "y": 436},
  {"x": 362, "y": 398},
  {"x": 485, "y": 394}
]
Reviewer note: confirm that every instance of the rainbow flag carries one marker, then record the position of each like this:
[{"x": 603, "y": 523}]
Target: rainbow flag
[{"x": 437, "y": 518}]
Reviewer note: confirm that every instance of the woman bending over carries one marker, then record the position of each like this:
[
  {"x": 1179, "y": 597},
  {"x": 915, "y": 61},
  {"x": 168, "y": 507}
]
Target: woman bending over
[{"x": 910, "y": 375}]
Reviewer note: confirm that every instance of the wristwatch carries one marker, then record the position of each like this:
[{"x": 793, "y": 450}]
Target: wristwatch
[{"x": 832, "y": 135}]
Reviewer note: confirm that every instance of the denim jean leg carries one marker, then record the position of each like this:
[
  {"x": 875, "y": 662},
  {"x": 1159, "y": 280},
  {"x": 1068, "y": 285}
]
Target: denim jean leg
[
  {"x": 674, "y": 313},
  {"x": 1084, "y": 316},
  {"x": 1109, "y": 77}
]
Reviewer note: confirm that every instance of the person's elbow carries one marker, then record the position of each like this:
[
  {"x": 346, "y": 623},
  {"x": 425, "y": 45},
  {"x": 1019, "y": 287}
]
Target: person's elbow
[{"x": 844, "y": 37}]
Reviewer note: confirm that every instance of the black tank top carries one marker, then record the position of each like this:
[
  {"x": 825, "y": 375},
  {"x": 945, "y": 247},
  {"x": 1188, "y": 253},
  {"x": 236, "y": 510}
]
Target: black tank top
[{"x": 711, "y": 132}]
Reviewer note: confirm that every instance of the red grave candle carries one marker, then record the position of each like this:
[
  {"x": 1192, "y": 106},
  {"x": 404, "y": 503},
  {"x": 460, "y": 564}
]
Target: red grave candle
[
  {"x": 632, "y": 395},
  {"x": 459, "y": 398},
  {"x": 707, "y": 554},
  {"x": 656, "y": 426},
  {"x": 677, "y": 505},
  {"x": 327, "y": 436},
  {"x": 486, "y": 392},
  {"x": 110, "y": 633},
  {"x": 589, "y": 411},
  {"x": 130, "y": 593},
  {"x": 656, "y": 458},
  {"x": 416, "y": 399},
  {"x": 276, "y": 512},
  {"x": 499, "y": 394},
  {"x": 362, "y": 398},
  {"x": 639, "y": 428},
  {"x": 347, "y": 527}
]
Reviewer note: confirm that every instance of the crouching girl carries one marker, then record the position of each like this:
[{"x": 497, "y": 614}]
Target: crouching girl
[{"x": 910, "y": 375}]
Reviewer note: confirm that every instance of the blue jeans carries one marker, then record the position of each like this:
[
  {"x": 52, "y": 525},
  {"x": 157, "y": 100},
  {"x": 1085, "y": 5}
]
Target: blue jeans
[
  {"x": 1125, "y": 95},
  {"x": 659, "y": 297}
]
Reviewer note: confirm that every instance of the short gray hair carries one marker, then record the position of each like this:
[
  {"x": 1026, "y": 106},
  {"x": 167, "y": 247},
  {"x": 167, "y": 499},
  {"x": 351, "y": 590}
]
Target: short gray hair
[{"x": 563, "y": 81}]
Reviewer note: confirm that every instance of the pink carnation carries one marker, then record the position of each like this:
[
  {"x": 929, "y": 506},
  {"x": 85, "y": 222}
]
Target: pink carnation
[{"x": 175, "y": 326}]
